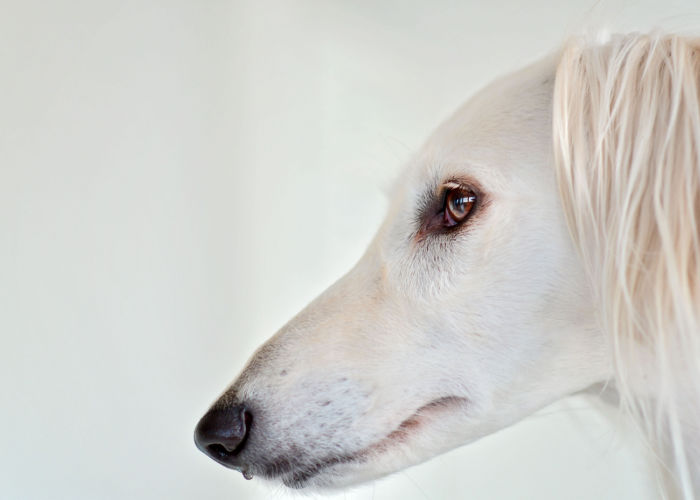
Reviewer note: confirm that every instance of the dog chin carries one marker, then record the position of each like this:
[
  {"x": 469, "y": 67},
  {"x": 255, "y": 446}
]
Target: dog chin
[
  {"x": 332, "y": 477},
  {"x": 342, "y": 472}
]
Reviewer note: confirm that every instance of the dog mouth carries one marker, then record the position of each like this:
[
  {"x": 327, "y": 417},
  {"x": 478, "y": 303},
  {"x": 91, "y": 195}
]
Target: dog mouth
[{"x": 298, "y": 477}]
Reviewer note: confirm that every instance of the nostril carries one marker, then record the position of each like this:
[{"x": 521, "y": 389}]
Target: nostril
[
  {"x": 219, "y": 450},
  {"x": 223, "y": 432}
]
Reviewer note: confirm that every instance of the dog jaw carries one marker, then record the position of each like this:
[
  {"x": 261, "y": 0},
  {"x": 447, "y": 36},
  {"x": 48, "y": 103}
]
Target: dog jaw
[{"x": 366, "y": 464}]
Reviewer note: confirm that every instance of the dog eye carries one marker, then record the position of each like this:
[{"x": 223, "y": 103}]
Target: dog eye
[{"x": 459, "y": 202}]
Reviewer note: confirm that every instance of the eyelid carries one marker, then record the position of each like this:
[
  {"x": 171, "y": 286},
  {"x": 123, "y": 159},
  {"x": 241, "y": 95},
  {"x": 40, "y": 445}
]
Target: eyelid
[{"x": 452, "y": 185}]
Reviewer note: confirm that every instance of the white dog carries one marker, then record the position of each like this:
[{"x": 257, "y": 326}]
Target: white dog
[{"x": 544, "y": 239}]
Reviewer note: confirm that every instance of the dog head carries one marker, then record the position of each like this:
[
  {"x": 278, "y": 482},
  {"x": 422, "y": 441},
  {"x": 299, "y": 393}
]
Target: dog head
[{"x": 468, "y": 311}]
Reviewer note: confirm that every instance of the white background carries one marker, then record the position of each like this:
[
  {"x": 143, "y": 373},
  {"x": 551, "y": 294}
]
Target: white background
[{"x": 178, "y": 178}]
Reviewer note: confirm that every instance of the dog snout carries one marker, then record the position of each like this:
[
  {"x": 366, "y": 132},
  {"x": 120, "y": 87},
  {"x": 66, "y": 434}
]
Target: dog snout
[{"x": 222, "y": 433}]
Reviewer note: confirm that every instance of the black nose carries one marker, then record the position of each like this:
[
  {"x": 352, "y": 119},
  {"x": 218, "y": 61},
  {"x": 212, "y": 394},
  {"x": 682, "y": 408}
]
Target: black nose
[{"x": 222, "y": 434}]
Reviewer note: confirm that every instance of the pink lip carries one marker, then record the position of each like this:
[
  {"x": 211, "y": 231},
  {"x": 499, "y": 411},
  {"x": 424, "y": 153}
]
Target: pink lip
[{"x": 413, "y": 423}]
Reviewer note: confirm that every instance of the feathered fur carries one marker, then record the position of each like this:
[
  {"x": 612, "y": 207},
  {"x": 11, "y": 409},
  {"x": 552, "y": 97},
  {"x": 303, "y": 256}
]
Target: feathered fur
[{"x": 627, "y": 146}]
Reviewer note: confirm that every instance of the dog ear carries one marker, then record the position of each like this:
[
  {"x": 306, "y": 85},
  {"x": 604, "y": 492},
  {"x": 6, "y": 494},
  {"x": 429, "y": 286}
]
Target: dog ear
[{"x": 626, "y": 128}]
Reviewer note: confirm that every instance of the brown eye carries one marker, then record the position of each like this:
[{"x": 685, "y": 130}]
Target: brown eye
[{"x": 459, "y": 202}]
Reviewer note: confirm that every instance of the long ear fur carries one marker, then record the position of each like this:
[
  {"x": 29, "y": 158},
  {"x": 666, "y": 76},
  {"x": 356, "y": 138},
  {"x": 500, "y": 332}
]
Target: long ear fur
[{"x": 627, "y": 148}]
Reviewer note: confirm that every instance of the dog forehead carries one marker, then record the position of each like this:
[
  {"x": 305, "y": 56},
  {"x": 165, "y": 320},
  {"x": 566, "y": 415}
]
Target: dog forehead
[{"x": 504, "y": 123}]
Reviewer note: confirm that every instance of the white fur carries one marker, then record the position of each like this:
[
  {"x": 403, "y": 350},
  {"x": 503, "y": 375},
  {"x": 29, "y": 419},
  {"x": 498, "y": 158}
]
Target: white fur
[{"x": 428, "y": 344}]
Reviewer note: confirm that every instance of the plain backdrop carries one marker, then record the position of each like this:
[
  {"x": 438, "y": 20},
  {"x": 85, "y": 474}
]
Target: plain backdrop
[{"x": 178, "y": 178}]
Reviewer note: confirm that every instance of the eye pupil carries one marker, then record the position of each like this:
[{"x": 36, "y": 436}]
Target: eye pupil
[{"x": 459, "y": 202}]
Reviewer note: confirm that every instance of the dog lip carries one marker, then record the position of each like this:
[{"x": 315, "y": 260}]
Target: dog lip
[
  {"x": 298, "y": 479},
  {"x": 415, "y": 421}
]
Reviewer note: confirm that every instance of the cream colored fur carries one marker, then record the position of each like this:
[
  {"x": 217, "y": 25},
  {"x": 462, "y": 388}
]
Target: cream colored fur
[
  {"x": 431, "y": 343},
  {"x": 627, "y": 140}
]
